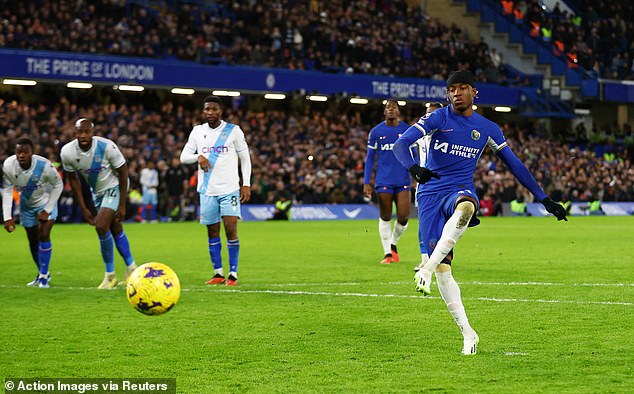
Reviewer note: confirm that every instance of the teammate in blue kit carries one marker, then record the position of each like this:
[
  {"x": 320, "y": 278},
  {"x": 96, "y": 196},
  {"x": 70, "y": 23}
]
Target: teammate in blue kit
[
  {"x": 102, "y": 165},
  {"x": 392, "y": 183},
  {"x": 40, "y": 186},
  {"x": 446, "y": 193}
]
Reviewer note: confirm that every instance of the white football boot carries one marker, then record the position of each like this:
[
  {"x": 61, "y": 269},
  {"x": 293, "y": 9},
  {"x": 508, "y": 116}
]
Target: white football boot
[{"x": 470, "y": 344}]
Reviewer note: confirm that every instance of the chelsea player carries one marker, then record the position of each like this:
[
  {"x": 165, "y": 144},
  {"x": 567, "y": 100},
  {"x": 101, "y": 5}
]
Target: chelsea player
[
  {"x": 40, "y": 186},
  {"x": 446, "y": 193},
  {"x": 392, "y": 180},
  {"x": 102, "y": 165}
]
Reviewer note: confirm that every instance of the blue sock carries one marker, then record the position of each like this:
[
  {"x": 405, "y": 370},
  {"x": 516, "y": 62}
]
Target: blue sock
[
  {"x": 44, "y": 256},
  {"x": 234, "y": 251},
  {"x": 123, "y": 246},
  {"x": 214, "y": 252},
  {"x": 153, "y": 212},
  {"x": 107, "y": 251}
]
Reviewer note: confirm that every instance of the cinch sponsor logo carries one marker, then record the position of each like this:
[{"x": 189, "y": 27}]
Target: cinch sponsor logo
[
  {"x": 387, "y": 146},
  {"x": 94, "y": 170},
  {"x": 215, "y": 149},
  {"x": 27, "y": 188}
]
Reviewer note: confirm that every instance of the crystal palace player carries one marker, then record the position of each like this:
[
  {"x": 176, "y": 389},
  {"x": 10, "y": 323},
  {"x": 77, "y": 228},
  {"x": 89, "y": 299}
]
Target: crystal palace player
[
  {"x": 446, "y": 193},
  {"x": 392, "y": 183},
  {"x": 103, "y": 167},
  {"x": 40, "y": 186},
  {"x": 217, "y": 146}
]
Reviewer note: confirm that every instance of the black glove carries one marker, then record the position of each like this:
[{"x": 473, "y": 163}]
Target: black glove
[
  {"x": 555, "y": 208},
  {"x": 422, "y": 174}
]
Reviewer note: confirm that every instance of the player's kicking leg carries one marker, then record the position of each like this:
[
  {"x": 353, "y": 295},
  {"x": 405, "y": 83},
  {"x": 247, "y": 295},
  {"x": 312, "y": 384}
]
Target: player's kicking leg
[{"x": 451, "y": 233}]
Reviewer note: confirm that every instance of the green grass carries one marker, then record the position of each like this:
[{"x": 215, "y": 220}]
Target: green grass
[{"x": 553, "y": 304}]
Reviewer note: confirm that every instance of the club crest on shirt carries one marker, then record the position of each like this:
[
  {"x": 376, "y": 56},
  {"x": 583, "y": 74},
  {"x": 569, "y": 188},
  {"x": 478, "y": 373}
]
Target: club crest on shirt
[{"x": 475, "y": 135}]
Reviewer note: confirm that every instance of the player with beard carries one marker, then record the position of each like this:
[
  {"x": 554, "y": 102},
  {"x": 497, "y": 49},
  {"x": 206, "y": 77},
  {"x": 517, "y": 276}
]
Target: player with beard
[{"x": 102, "y": 165}]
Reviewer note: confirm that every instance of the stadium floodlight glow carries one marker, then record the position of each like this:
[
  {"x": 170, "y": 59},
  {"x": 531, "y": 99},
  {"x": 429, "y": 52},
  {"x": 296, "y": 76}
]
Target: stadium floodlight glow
[
  {"x": 317, "y": 98},
  {"x": 400, "y": 102},
  {"x": 21, "y": 82},
  {"x": 502, "y": 109},
  {"x": 130, "y": 88},
  {"x": 358, "y": 100},
  {"x": 582, "y": 111},
  {"x": 182, "y": 91},
  {"x": 310, "y": 157},
  {"x": 79, "y": 85},
  {"x": 230, "y": 93},
  {"x": 275, "y": 96},
  {"x": 474, "y": 107}
]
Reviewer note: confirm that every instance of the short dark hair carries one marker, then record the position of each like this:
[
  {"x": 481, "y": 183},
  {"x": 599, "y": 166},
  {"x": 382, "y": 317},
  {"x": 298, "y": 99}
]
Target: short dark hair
[
  {"x": 24, "y": 141},
  {"x": 214, "y": 99},
  {"x": 392, "y": 100}
]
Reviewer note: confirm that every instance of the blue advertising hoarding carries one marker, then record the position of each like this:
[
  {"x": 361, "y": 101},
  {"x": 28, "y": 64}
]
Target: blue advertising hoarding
[{"x": 62, "y": 66}]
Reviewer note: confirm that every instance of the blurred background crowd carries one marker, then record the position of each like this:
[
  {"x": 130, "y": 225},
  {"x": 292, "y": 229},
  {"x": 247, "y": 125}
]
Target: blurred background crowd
[{"x": 314, "y": 153}]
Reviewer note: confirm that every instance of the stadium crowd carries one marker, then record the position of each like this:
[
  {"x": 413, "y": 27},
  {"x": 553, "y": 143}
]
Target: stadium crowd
[
  {"x": 331, "y": 36},
  {"x": 325, "y": 36},
  {"x": 314, "y": 154},
  {"x": 599, "y": 37}
]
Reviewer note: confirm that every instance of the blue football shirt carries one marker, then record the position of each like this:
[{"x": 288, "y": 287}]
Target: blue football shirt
[
  {"x": 456, "y": 143},
  {"x": 389, "y": 171}
]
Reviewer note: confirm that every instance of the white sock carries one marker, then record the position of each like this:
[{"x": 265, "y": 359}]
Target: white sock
[
  {"x": 399, "y": 229},
  {"x": 450, "y": 292},
  {"x": 451, "y": 233},
  {"x": 234, "y": 274},
  {"x": 385, "y": 230},
  {"x": 424, "y": 258},
  {"x": 219, "y": 271}
]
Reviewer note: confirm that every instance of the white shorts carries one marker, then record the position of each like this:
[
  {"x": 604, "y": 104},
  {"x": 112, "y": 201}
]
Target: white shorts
[
  {"x": 28, "y": 215},
  {"x": 109, "y": 199}
]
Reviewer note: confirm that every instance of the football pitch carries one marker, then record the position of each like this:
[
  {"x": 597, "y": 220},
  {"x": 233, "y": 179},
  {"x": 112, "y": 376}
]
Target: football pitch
[{"x": 552, "y": 302}]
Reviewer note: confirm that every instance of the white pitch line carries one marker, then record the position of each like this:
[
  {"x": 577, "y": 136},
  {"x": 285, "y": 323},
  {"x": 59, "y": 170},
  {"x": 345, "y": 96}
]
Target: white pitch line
[
  {"x": 534, "y": 284},
  {"x": 365, "y": 295},
  {"x": 325, "y": 293}
]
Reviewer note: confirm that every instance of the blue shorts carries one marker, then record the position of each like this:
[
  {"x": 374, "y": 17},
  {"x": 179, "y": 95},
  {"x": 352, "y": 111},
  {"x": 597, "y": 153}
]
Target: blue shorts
[
  {"x": 433, "y": 212},
  {"x": 28, "y": 215},
  {"x": 391, "y": 189},
  {"x": 150, "y": 197},
  {"x": 109, "y": 199},
  {"x": 213, "y": 208}
]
